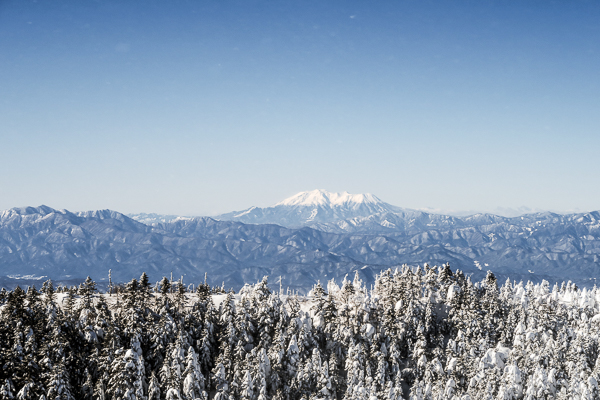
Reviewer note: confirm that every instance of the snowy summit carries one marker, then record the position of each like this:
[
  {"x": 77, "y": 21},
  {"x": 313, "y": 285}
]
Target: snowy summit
[
  {"x": 314, "y": 208},
  {"x": 320, "y": 197}
]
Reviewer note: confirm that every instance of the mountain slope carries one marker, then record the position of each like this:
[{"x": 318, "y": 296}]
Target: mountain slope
[
  {"x": 313, "y": 208},
  {"x": 42, "y": 242},
  {"x": 36, "y": 242}
]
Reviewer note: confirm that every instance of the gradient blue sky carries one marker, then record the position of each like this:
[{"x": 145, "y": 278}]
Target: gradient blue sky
[{"x": 202, "y": 107}]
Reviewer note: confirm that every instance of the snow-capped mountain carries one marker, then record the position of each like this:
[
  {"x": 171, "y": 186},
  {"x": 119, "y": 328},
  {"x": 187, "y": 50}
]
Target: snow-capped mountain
[
  {"x": 314, "y": 208},
  {"x": 153, "y": 218},
  {"x": 342, "y": 200},
  {"x": 38, "y": 243},
  {"x": 41, "y": 243}
]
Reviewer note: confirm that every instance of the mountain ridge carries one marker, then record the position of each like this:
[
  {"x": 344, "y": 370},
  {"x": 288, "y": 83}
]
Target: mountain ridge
[
  {"x": 63, "y": 245},
  {"x": 323, "y": 197},
  {"x": 313, "y": 208}
]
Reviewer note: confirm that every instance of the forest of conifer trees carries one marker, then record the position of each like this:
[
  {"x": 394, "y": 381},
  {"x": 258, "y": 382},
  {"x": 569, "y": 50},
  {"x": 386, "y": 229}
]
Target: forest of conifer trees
[{"x": 418, "y": 333}]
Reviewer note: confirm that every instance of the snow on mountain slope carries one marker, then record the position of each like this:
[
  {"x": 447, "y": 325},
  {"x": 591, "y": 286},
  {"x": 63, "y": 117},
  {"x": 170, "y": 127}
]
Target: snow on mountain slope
[
  {"x": 323, "y": 198},
  {"x": 313, "y": 208},
  {"x": 42, "y": 242},
  {"x": 153, "y": 218}
]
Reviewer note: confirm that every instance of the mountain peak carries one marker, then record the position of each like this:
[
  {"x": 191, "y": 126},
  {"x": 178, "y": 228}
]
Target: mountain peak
[
  {"x": 43, "y": 210},
  {"x": 323, "y": 197},
  {"x": 314, "y": 208}
]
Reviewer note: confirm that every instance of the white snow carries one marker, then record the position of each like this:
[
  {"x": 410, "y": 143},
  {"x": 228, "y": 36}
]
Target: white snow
[
  {"x": 32, "y": 277},
  {"x": 369, "y": 330},
  {"x": 451, "y": 364},
  {"x": 323, "y": 197},
  {"x": 493, "y": 358},
  {"x": 452, "y": 291},
  {"x": 245, "y": 212}
]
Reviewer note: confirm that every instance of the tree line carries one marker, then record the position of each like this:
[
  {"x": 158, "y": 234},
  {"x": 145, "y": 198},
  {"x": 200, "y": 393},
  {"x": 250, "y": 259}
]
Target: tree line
[{"x": 418, "y": 333}]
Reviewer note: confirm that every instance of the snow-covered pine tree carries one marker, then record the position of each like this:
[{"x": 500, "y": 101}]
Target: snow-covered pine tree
[
  {"x": 7, "y": 390},
  {"x": 193, "y": 381},
  {"x": 220, "y": 381},
  {"x": 153, "y": 388},
  {"x": 173, "y": 368},
  {"x": 59, "y": 386},
  {"x": 126, "y": 376}
]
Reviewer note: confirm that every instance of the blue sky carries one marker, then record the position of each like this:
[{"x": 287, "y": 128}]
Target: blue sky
[{"x": 186, "y": 107}]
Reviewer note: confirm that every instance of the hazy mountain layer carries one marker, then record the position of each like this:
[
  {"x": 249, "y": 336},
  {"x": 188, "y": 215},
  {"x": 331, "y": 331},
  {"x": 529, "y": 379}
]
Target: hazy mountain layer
[{"x": 36, "y": 242}]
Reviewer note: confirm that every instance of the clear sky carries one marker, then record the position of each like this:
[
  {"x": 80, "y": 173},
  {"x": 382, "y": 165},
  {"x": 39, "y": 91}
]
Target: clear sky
[{"x": 202, "y": 107}]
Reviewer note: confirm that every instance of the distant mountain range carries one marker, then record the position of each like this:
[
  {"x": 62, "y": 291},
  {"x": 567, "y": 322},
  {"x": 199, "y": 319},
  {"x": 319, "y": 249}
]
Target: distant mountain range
[{"x": 311, "y": 236}]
